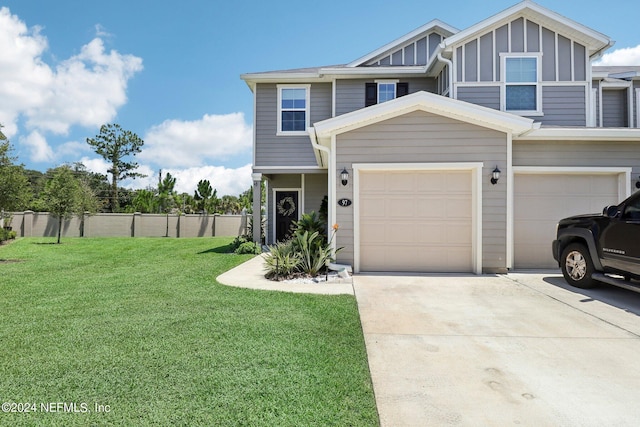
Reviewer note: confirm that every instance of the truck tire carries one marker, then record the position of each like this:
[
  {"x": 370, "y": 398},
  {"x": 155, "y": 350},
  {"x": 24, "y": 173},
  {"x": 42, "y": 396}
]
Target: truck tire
[{"x": 577, "y": 266}]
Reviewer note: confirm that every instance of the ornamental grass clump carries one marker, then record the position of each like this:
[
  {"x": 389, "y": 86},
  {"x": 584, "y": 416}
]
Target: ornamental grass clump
[{"x": 305, "y": 254}]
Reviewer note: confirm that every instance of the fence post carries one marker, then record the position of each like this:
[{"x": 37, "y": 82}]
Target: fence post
[
  {"x": 27, "y": 224},
  {"x": 136, "y": 217}
]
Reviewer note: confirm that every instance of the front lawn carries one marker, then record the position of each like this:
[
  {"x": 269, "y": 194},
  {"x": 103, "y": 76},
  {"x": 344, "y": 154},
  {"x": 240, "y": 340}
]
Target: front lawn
[{"x": 135, "y": 331}]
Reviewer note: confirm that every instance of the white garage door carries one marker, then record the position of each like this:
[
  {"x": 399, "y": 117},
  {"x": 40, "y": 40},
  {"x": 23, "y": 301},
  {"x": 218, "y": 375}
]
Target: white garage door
[
  {"x": 543, "y": 199},
  {"x": 416, "y": 221}
]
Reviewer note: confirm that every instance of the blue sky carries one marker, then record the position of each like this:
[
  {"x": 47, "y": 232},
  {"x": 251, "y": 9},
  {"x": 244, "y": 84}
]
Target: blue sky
[{"x": 170, "y": 71}]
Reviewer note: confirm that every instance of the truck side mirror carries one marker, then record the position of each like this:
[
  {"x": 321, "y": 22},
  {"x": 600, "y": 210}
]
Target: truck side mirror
[{"x": 611, "y": 211}]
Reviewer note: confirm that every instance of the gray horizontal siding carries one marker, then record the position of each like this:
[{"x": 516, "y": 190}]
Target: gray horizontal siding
[
  {"x": 563, "y": 106},
  {"x": 421, "y": 137},
  {"x": 350, "y": 93},
  {"x": 615, "y": 108},
  {"x": 488, "y": 96},
  {"x": 592, "y": 154},
  {"x": 274, "y": 150}
]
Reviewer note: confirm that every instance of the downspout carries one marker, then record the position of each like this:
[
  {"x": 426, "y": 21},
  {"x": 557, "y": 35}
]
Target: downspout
[
  {"x": 450, "y": 69},
  {"x": 330, "y": 177}
]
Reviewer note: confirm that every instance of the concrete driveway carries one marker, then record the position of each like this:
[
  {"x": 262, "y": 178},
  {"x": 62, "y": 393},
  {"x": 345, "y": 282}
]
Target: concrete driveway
[{"x": 521, "y": 349}]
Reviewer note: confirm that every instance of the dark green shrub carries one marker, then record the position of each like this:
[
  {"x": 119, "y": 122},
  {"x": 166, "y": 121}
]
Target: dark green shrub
[
  {"x": 311, "y": 223},
  {"x": 248, "y": 248}
]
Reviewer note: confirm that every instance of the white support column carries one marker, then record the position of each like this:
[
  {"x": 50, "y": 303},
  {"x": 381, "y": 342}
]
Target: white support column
[{"x": 257, "y": 207}]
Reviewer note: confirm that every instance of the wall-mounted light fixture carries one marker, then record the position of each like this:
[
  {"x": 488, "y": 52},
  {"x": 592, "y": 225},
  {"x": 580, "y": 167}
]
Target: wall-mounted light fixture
[
  {"x": 638, "y": 183},
  {"x": 344, "y": 176},
  {"x": 495, "y": 176}
]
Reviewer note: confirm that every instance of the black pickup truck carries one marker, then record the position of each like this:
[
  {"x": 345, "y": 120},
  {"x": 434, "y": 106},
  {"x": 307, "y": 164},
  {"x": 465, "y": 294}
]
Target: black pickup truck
[{"x": 601, "y": 248}]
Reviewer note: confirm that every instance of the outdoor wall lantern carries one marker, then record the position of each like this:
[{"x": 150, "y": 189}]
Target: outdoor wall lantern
[
  {"x": 495, "y": 176},
  {"x": 638, "y": 183},
  {"x": 344, "y": 176}
]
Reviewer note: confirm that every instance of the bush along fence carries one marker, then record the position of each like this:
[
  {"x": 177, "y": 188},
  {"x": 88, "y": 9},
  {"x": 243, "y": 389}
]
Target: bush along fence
[{"x": 43, "y": 224}]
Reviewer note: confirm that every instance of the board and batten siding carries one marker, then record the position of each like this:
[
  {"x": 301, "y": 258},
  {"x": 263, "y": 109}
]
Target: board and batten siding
[
  {"x": 274, "y": 150},
  {"x": 414, "y": 52},
  {"x": 478, "y": 60},
  {"x": 350, "y": 94},
  {"x": 421, "y": 137}
]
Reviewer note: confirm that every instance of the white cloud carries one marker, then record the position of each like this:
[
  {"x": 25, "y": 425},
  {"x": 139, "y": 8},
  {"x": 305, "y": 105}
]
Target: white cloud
[
  {"x": 97, "y": 165},
  {"x": 39, "y": 149},
  {"x": 71, "y": 148},
  {"x": 624, "y": 56},
  {"x": 225, "y": 180},
  {"x": 86, "y": 89},
  {"x": 177, "y": 143}
]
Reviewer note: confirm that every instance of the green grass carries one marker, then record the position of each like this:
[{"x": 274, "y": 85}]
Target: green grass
[{"x": 142, "y": 326}]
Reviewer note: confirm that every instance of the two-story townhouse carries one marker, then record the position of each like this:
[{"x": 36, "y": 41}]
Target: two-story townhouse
[{"x": 448, "y": 150}]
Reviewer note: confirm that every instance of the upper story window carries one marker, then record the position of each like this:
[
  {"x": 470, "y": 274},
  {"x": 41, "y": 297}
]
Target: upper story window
[
  {"x": 521, "y": 93},
  {"x": 384, "y": 90},
  {"x": 293, "y": 109}
]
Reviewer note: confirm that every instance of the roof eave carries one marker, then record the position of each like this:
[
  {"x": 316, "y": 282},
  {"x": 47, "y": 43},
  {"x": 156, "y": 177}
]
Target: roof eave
[{"x": 435, "y": 24}]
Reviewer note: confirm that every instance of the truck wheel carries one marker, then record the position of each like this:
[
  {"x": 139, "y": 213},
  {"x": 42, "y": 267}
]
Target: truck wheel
[{"x": 577, "y": 266}]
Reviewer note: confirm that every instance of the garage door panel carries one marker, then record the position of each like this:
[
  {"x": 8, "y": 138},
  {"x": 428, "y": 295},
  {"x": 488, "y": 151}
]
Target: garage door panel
[
  {"x": 416, "y": 221},
  {"x": 541, "y": 200}
]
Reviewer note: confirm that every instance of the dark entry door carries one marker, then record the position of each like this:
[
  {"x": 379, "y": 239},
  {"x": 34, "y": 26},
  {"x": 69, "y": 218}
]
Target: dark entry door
[{"x": 286, "y": 213}]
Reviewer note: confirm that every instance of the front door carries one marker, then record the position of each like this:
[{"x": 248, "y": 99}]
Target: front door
[{"x": 286, "y": 213}]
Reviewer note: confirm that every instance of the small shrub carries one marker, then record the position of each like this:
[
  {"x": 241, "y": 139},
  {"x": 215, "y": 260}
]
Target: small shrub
[
  {"x": 248, "y": 248},
  {"x": 281, "y": 262},
  {"x": 311, "y": 223},
  {"x": 314, "y": 252}
]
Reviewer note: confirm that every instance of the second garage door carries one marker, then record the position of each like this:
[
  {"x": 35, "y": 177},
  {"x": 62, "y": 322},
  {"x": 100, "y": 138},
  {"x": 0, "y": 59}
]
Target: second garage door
[
  {"x": 418, "y": 221},
  {"x": 543, "y": 199}
]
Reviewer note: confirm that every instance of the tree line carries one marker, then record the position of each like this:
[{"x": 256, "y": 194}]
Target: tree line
[{"x": 73, "y": 189}]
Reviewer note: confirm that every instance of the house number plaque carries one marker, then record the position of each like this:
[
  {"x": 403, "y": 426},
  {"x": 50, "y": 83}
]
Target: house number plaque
[{"x": 344, "y": 202}]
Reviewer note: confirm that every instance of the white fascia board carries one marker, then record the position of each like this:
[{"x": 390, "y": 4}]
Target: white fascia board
[
  {"x": 374, "y": 71},
  {"x": 625, "y": 75},
  {"x": 594, "y": 39},
  {"x": 436, "y": 104},
  {"x": 276, "y": 76},
  {"x": 581, "y": 134},
  {"x": 432, "y": 25}
]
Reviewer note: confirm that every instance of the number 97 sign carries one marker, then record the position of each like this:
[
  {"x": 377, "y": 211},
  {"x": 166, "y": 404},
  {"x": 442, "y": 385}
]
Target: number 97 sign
[{"x": 344, "y": 202}]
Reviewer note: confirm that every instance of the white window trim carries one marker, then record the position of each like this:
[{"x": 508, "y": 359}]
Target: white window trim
[
  {"x": 307, "y": 89},
  {"x": 503, "y": 83},
  {"x": 388, "y": 82}
]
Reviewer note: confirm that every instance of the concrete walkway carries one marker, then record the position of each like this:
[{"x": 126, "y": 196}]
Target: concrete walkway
[
  {"x": 251, "y": 275},
  {"x": 462, "y": 350}
]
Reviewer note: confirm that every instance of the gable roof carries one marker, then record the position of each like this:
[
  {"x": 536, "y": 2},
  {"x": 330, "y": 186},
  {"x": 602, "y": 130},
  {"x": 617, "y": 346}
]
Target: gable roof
[
  {"x": 593, "y": 40},
  {"x": 435, "y": 25},
  {"x": 423, "y": 101}
]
